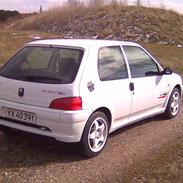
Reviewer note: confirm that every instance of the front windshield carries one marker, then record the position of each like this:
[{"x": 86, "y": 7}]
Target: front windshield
[{"x": 44, "y": 65}]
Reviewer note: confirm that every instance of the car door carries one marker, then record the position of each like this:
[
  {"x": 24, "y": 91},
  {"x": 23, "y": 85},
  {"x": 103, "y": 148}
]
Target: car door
[
  {"x": 149, "y": 87},
  {"x": 114, "y": 81}
]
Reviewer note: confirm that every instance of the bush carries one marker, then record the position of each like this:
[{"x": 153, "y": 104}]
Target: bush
[{"x": 4, "y": 15}]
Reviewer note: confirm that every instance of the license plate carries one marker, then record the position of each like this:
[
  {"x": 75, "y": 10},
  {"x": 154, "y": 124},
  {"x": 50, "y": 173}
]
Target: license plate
[{"x": 21, "y": 115}]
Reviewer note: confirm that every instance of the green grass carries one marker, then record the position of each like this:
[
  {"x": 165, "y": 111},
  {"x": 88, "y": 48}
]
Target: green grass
[{"x": 168, "y": 56}]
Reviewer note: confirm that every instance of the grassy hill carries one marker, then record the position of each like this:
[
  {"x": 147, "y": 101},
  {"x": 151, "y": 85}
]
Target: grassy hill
[{"x": 110, "y": 22}]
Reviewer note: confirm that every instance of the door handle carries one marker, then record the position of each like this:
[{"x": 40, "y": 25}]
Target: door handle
[{"x": 131, "y": 87}]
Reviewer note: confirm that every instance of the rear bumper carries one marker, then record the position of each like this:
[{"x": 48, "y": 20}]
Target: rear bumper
[
  {"x": 65, "y": 126},
  {"x": 67, "y": 133}
]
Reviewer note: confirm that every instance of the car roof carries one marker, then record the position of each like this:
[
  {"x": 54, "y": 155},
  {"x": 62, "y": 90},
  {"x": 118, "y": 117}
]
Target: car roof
[{"x": 81, "y": 42}]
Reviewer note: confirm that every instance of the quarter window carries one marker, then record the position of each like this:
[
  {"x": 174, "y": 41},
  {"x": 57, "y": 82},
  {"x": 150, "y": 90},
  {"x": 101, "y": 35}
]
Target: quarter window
[
  {"x": 111, "y": 64},
  {"x": 140, "y": 62}
]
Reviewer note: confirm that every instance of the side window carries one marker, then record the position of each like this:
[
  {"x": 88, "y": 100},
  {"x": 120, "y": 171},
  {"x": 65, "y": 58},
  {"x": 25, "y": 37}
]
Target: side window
[
  {"x": 139, "y": 61},
  {"x": 111, "y": 64}
]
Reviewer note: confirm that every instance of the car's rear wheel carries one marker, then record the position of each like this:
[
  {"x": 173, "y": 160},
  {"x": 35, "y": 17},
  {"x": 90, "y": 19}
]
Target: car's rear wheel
[
  {"x": 173, "y": 104},
  {"x": 95, "y": 134}
]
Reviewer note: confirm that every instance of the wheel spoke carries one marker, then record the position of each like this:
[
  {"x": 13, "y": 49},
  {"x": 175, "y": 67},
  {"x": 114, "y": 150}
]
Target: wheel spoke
[
  {"x": 176, "y": 107},
  {"x": 172, "y": 105},
  {"x": 173, "y": 110},
  {"x": 96, "y": 124},
  {"x": 92, "y": 135},
  {"x": 174, "y": 98},
  {"x": 175, "y": 103},
  {"x": 97, "y": 135},
  {"x": 102, "y": 138},
  {"x": 96, "y": 143},
  {"x": 102, "y": 127}
]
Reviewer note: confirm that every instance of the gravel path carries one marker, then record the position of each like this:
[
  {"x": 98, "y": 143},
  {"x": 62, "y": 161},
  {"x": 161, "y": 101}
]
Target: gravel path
[{"x": 31, "y": 158}]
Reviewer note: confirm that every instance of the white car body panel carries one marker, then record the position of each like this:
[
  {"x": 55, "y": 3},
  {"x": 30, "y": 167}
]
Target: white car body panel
[
  {"x": 65, "y": 126},
  {"x": 44, "y": 92},
  {"x": 125, "y": 106},
  {"x": 149, "y": 91}
]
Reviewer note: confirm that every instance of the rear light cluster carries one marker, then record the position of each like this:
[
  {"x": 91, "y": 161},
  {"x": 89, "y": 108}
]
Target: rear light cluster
[{"x": 70, "y": 103}]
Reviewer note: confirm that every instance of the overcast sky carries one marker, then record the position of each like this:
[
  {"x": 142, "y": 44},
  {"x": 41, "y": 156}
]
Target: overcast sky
[{"x": 34, "y": 5}]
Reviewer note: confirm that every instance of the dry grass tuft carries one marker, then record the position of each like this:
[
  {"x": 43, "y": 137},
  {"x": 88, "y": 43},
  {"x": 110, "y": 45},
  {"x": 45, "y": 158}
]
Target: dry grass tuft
[
  {"x": 168, "y": 56},
  {"x": 62, "y": 15},
  {"x": 11, "y": 41}
]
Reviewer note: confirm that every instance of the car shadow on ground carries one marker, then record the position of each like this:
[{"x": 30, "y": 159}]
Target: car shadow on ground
[{"x": 20, "y": 149}]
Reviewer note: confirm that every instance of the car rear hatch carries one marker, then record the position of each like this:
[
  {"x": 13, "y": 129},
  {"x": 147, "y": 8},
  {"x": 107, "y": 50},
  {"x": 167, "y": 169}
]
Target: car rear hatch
[
  {"x": 37, "y": 94},
  {"x": 37, "y": 75}
]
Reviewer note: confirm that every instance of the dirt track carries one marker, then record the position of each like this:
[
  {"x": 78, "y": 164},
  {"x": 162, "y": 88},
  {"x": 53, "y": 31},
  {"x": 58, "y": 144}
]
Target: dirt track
[{"x": 32, "y": 158}]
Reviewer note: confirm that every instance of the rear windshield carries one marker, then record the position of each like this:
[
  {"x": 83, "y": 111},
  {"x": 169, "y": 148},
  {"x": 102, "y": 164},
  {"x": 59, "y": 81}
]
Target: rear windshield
[{"x": 44, "y": 65}]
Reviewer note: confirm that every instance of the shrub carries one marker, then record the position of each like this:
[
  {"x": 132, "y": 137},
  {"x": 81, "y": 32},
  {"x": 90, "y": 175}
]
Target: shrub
[{"x": 4, "y": 15}]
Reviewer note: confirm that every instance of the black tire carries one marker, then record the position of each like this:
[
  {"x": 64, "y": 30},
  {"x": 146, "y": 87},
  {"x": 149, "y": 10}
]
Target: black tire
[
  {"x": 95, "y": 134},
  {"x": 173, "y": 106}
]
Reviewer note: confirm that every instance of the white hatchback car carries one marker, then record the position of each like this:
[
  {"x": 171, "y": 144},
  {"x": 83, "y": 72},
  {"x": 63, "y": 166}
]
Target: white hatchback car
[{"x": 82, "y": 90}]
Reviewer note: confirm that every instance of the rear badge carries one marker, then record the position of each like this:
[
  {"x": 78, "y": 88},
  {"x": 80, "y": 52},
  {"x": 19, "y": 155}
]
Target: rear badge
[
  {"x": 21, "y": 92},
  {"x": 53, "y": 92},
  {"x": 91, "y": 86}
]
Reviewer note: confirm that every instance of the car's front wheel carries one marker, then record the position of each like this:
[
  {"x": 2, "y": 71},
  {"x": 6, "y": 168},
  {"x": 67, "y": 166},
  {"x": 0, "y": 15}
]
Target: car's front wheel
[
  {"x": 95, "y": 134},
  {"x": 173, "y": 104}
]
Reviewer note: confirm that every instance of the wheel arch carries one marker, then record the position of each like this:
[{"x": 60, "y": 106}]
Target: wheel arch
[
  {"x": 168, "y": 114},
  {"x": 179, "y": 88},
  {"x": 84, "y": 142},
  {"x": 107, "y": 112}
]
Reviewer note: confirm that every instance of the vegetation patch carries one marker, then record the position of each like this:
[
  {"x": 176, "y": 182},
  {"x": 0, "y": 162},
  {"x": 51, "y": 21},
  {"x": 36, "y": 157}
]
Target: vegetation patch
[
  {"x": 114, "y": 21},
  {"x": 4, "y": 15},
  {"x": 11, "y": 41}
]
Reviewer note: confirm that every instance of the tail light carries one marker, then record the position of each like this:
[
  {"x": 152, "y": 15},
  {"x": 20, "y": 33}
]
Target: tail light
[{"x": 70, "y": 103}]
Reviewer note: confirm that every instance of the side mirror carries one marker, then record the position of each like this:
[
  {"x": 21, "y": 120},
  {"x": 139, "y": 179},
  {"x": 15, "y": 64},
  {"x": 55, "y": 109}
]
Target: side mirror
[{"x": 167, "y": 71}]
